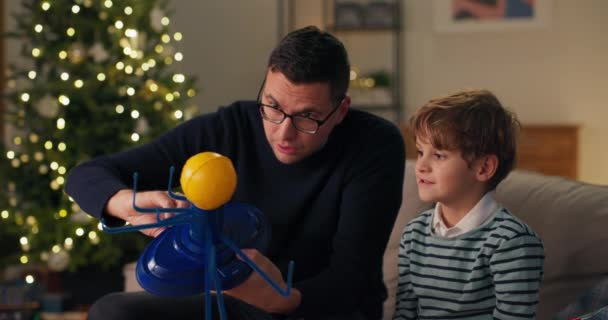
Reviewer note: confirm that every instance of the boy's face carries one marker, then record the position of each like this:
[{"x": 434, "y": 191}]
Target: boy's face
[
  {"x": 311, "y": 99},
  {"x": 445, "y": 177}
]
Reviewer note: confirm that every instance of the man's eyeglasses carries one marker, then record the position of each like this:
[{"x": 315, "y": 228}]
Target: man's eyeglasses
[{"x": 302, "y": 123}]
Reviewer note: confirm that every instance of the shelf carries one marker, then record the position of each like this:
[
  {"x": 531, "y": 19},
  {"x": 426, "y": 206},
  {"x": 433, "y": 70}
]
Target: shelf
[
  {"x": 371, "y": 32},
  {"x": 364, "y": 29},
  {"x": 32, "y": 305}
]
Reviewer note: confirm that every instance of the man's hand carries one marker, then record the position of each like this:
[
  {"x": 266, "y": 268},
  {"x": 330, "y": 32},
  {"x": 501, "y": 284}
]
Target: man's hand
[
  {"x": 257, "y": 292},
  {"x": 120, "y": 205}
]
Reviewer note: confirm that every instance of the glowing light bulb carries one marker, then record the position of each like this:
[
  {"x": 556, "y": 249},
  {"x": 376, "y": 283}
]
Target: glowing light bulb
[
  {"x": 60, "y": 123},
  {"x": 179, "y": 78},
  {"x": 131, "y": 33},
  {"x": 64, "y": 100}
]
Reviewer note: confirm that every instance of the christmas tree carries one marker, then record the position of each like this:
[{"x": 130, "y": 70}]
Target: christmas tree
[{"x": 95, "y": 77}]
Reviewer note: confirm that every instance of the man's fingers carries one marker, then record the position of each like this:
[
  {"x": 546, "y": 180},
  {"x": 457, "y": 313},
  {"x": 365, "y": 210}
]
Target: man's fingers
[{"x": 254, "y": 255}]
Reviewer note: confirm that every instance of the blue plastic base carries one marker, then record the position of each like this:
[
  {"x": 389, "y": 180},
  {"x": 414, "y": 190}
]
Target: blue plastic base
[{"x": 173, "y": 264}]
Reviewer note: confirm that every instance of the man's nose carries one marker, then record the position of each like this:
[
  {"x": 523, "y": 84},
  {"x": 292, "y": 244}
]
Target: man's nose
[{"x": 286, "y": 129}]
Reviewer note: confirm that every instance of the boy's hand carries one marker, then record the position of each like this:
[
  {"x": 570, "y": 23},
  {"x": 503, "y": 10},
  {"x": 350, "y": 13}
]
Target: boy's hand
[
  {"x": 120, "y": 205},
  {"x": 257, "y": 292}
]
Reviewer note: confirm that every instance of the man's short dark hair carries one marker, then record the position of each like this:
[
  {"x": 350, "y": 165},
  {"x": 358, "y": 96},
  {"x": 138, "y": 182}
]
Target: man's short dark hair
[
  {"x": 310, "y": 55},
  {"x": 473, "y": 122}
]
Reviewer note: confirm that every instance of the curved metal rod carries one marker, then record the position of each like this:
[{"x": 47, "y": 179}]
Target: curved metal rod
[
  {"x": 172, "y": 221},
  {"x": 169, "y": 191},
  {"x": 253, "y": 266},
  {"x": 156, "y": 211}
]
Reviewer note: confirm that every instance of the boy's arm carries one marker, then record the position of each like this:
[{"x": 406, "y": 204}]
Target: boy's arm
[
  {"x": 517, "y": 269},
  {"x": 406, "y": 305}
]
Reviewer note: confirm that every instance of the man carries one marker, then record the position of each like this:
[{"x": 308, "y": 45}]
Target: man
[{"x": 328, "y": 179}]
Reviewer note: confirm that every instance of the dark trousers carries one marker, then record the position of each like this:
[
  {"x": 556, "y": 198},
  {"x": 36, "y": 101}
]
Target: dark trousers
[{"x": 145, "y": 306}]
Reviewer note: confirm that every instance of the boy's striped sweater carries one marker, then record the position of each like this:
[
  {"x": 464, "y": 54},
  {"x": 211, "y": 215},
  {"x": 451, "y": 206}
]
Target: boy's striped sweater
[{"x": 493, "y": 271}]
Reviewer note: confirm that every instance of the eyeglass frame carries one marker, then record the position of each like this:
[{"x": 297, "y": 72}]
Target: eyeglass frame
[{"x": 291, "y": 116}]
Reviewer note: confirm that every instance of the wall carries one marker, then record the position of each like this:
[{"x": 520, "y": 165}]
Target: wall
[
  {"x": 552, "y": 75},
  {"x": 557, "y": 74},
  {"x": 226, "y": 45}
]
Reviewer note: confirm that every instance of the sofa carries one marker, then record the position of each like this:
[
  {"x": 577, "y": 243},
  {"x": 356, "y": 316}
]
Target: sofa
[{"x": 571, "y": 218}]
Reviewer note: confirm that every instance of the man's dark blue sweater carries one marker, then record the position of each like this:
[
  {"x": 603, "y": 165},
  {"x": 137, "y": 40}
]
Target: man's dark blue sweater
[{"x": 331, "y": 213}]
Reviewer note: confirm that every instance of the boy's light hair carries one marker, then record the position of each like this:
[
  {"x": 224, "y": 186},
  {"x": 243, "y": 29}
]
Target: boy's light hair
[{"x": 472, "y": 122}]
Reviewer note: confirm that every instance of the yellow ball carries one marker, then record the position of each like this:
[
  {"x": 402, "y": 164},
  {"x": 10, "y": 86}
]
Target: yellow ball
[{"x": 208, "y": 180}]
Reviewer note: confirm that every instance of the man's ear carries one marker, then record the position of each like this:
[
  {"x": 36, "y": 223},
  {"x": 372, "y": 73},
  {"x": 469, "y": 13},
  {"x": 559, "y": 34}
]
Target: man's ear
[
  {"x": 486, "y": 167},
  {"x": 343, "y": 109}
]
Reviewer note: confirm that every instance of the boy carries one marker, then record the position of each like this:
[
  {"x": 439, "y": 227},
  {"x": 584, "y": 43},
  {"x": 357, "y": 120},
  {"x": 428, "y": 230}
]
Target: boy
[{"x": 468, "y": 257}]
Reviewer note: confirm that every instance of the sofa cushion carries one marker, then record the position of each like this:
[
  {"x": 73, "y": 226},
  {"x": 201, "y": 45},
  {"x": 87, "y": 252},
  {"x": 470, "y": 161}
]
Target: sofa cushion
[
  {"x": 569, "y": 216},
  {"x": 410, "y": 207}
]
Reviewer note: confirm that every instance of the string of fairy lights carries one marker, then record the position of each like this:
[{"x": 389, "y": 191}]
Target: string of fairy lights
[{"x": 132, "y": 63}]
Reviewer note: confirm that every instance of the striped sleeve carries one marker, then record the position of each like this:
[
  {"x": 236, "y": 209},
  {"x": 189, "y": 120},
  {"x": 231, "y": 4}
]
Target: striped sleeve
[
  {"x": 406, "y": 302},
  {"x": 517, "y": 269}
]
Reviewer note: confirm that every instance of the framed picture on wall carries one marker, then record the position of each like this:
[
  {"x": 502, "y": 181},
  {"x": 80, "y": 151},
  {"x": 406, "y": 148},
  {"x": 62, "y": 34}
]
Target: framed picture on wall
[
  {"x": 381, "y": 14},
  {"x": 490, "y": 15},
  {"x": 348, "y": 15}
]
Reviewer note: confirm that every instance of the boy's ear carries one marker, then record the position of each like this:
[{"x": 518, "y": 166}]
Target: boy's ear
[{"x": 486, "y": 167}]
